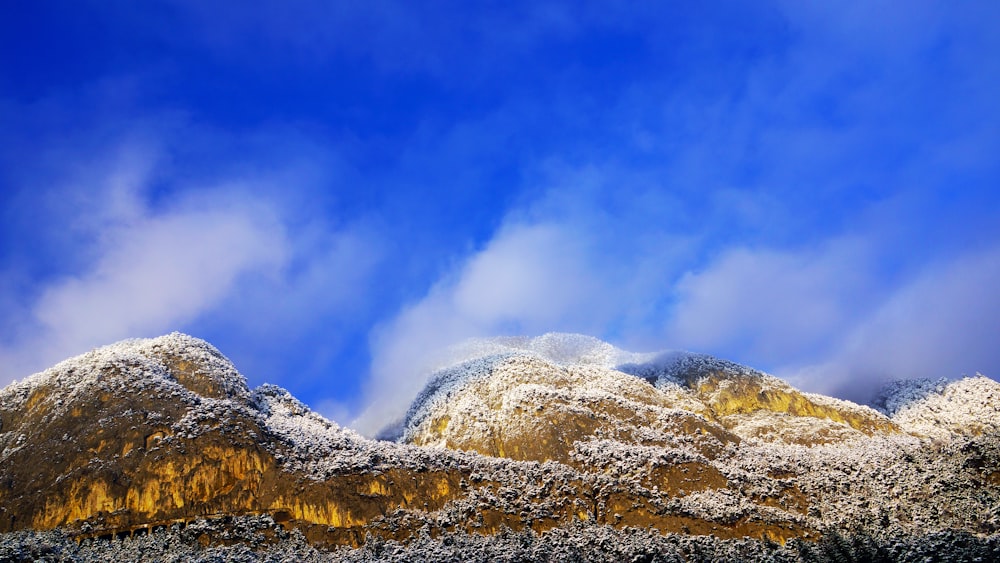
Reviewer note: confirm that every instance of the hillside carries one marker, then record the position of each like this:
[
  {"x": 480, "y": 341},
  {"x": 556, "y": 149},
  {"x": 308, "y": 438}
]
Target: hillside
[{"x": 544, "y": 443}]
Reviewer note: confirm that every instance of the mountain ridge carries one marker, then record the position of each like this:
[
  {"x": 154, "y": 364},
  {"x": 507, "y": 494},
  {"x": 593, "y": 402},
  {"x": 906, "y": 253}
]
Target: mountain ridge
[
  {"x": 539, "y": 439},
  {"x": 706, "y": 387}
]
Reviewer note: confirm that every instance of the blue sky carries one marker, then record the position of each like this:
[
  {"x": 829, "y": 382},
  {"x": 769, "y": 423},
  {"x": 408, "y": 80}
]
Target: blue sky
[{"x": 327, "y": 191}]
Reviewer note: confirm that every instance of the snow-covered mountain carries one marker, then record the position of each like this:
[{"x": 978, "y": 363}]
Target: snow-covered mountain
[
  {"x": 922, "y": 407},
  {"x": 560, "y": 447},
  {"x": 494, "y": 403}
]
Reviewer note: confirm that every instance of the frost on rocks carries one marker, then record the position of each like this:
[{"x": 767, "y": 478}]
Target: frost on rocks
[
  {"x": 928, "y": 493},
  {"x": 577, "y": 542},
  {"x": 315, "y": 446},
  {"x": 772, "y": 427},
  {"x": 564, "y": 349},
  {"x": 925, "y": 407},
  {"x": 514, "y": 395},
  {"x": 164, "y": 369},
  {"x": 840, "y": 404},
  {"x": 478, "y": 359},
  {"x": 136, "y": 365},
  {"x": 445, "y": 383},
  {"x": 665, "y": 368},
  {"x": 206, "y": 392},
  {"x": 475, "y": 401}
]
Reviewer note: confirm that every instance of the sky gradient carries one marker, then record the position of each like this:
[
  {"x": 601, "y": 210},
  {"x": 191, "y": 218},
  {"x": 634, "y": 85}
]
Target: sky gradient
[{"x": 328, "y": 190}]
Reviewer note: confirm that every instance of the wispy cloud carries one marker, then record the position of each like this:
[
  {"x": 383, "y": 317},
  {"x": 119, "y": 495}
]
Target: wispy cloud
[
  {"x": 529, "y": 278},
  {"x": 773, "y": 305},
  {"x": 752, "y": 214},
  {"x": 824, "y": 320},
  {"x": 152, "y": 271},
  {"x": 150, "y": 247},
  {"x": 942, "y": 322}
]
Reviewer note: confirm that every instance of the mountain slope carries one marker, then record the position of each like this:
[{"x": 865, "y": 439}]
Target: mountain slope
[
  {"x": 711, "y": 432},
  {"x": 557, "y": 437},
  {"x": 535, "y": 401},
  {"x": 968, "y": 406},
  {"x": 149, "y": 433}
]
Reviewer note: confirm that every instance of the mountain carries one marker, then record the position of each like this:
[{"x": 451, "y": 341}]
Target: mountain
[
  {"x": 560, "y": 447},
  {"x": 526, "y": 403}
]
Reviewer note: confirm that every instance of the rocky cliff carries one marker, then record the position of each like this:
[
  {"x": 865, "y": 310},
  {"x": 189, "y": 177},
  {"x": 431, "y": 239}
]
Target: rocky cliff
[{"x": 557, "y": 435}]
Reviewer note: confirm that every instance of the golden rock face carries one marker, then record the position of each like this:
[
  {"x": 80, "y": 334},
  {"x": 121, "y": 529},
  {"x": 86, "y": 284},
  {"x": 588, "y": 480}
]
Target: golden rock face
[
  {"x": 114, "y": 461},
  {"x": 113, "y": 451},
  {"x": 156, "y": 432},
  {"x": 726, "y": 395},
  {"x": 525, "y": 411}
]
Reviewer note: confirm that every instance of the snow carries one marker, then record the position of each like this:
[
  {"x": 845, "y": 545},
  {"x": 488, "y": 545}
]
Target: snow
[
  {"x": 665, "y": 368},
  {"x": 445, "y": 383},
  {"x": 567, "y": 349},
  {"x": 477, "y": 359},
  {"x": 576, "y": 542},
  {"x": 925, "y": 407},
  {"x": 490, "y": 396},
  {"x": 573, "y": 372},
  {"x": 906, "y": 492},
  {"x": 775, "y": 428},
  {"x": 316, "y": 447},
  {"x": 841, "y": 405},
  {"x": 140, "y": 368}
]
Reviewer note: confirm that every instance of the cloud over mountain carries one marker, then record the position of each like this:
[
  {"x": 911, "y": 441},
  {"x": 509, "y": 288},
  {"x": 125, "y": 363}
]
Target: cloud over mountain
[{"x": 806, "y": 189}]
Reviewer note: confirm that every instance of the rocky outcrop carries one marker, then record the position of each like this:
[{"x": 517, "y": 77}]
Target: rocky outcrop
[
  {"x": 532, "y": 438},
  {"x": 149, "y": 433},
  {"x": 524, "y": 405}
]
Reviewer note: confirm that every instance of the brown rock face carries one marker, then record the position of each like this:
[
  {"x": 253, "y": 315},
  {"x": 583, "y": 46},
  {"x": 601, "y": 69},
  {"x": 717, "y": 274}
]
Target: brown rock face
[
  {"x": 529, "y": 409},
  {"x": 154, "y": 432},
  {"x": 709, "y": 440},
  {"x": 148, "y": 433}
]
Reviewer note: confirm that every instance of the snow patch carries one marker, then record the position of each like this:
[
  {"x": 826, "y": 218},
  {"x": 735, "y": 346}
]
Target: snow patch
[{"x": 940, "y": 408}]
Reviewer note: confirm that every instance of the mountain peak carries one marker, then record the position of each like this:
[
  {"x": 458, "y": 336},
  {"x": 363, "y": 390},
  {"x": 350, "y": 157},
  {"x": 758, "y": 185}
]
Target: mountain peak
[
  {"x": 937, "y": 408},
  {"x": 138, "y": 369},
  {"x": 541, "y": 398},
  {"x": 137, "y": 364},
  {"x": 559, "y": 436}
]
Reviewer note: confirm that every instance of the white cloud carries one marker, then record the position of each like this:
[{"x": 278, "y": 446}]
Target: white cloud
[
  {"x": 152, "y": 271},
  {"x": 772, "y": 306},
  {"x": 531, "y": 278},
  {"x": 157, "y": 273},
  {"x": 327, "y": 271},
  {"x": 530, "y": 275},
  {"x": 941, "y": 323},
  {"x": 823, "y": 320}
]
